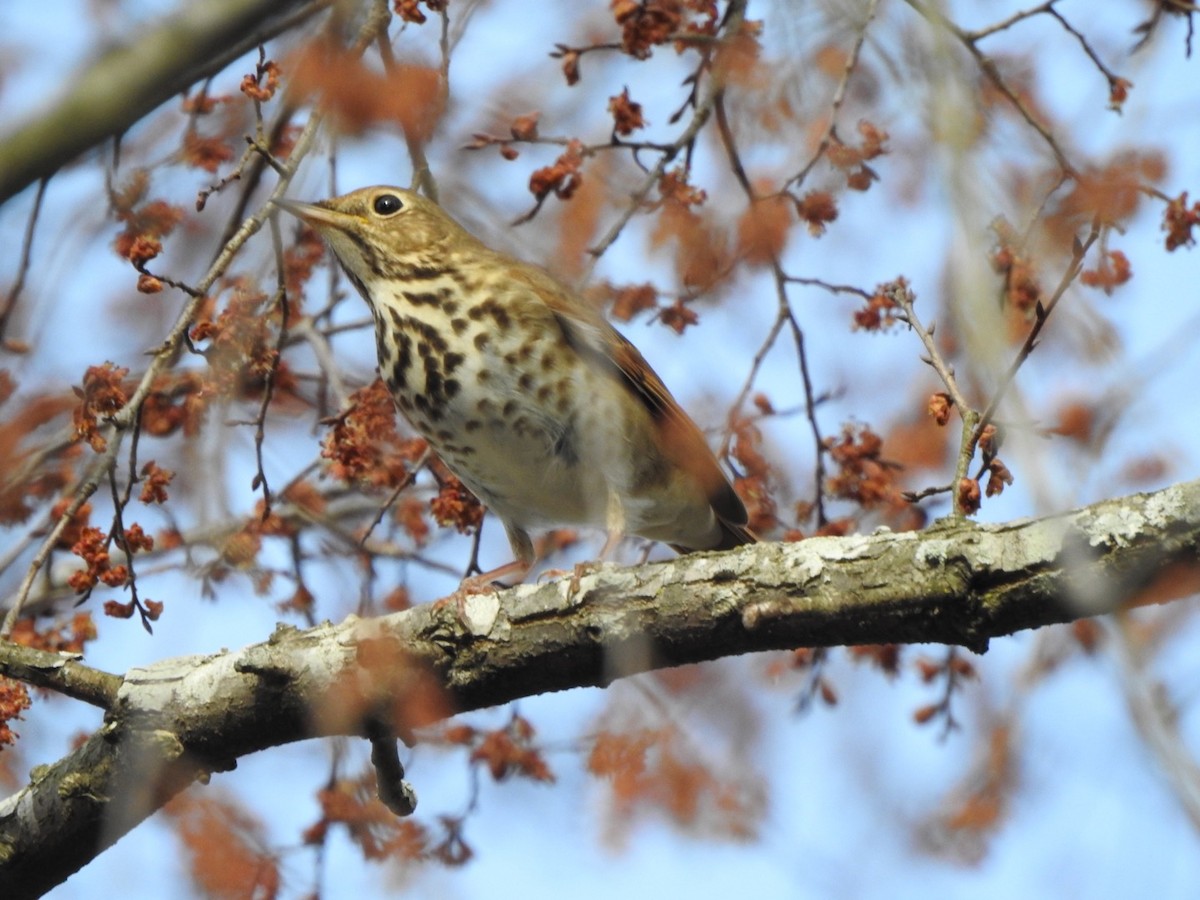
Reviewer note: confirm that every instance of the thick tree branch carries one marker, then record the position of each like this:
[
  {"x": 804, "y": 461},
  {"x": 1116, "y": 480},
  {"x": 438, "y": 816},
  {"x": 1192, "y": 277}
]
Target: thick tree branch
[
  {"x": 127, "y": 82},
  {"x": 60, "y": 672},
  {"x": 960, "y": 583}
]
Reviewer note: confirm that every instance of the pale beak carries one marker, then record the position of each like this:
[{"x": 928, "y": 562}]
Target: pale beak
[{"x": 311, "y": 213}]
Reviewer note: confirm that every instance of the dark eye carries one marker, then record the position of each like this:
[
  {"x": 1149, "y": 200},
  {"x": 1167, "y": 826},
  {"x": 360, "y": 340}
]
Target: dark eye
[{"x": 387, "y": 204}]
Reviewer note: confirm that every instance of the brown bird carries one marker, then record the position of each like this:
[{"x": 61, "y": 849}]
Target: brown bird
[{"x": 538, "y": 405}]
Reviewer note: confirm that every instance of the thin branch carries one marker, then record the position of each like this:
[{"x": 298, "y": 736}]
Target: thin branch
[
  {"x": 828, "y": 286},
  {"x": 735, "y": 15},
  {"x": 96, "y": 471},
  {"x": 782, "y": 314},
  {"x": 839, "y": 98},
  {"x": 1041, "y": 316},
  {"x": 1113, "y": 79},
  {"x": 988, "y": 66},
  {"x": 1004, "y": 24},
  {"x": 280, "y": 300},
  {"x": 408, "y": 479},
  {"x": 810, "y": 410},
  {"x": 903, "y": 297},
  {"x": 10, "y": 303},
  {"x": 127, "y": 416}
]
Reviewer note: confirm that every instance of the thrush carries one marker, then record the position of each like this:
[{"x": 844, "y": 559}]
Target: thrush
[{"x": 532, "y": 399}]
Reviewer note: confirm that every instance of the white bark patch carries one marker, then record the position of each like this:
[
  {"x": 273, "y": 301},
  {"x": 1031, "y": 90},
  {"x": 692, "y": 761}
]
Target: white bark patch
[
  {"x": 479, "y": 612},
  {"x": 934, "y": 554},
  {"x": 1116, "y": 526},
  {"x": 806, "y": 562}
]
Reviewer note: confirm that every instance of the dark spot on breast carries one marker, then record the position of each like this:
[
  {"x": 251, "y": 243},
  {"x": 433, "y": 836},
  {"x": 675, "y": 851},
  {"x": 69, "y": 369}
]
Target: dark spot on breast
[
  {"x": 482, "y": 340},
  {"x": 510, "y": 407},
  {"x": 404, "y": 351},
  {"x": 472, "y": 425},
  {"x": 459, "y": 324},
  {"x": 451, "y": 388},
  {"x": 427, "y": 333},
  {"x": 500, "y": 314},
  {"x": 381, "y": 350},
  {"x": 525, "y": 382},
  {"x": 491, "y": 309},
  {"x": 425, "y": 412},
  {"x": 452, "y": 361},
  {"x": 421, "y": 298},
  {"x": 420, "y": 273}
]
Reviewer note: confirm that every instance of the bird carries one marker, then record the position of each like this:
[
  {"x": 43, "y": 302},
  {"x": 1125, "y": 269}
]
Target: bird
[{"x": 537, "y": 404}]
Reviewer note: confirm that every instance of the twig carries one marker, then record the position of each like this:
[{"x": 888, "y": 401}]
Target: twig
[
  {"x": 810, "y": 410},
  {"x": 14, "y": 294},
  {"x": 903, "y": 297},
  {"x": 1042, "y": 314},
  {"x": 124, "y": 418},
  {"x": 1113, "y": 80},
  {"x": 1004, "y": 24},
  {"x": 839, "y": 98},
  {"x": 832, "y": 288},
  {"x": 408, "y": 479},
  {"x": 83, "y": 493},
  {"x": 280, "y": 300},
  {"x": 988, "y": 66},
  {"x": 735, "y": 15}
]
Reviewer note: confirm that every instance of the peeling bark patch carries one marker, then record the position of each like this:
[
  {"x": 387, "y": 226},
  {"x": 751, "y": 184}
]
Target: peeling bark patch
[{"x": 1116, "y": 527}]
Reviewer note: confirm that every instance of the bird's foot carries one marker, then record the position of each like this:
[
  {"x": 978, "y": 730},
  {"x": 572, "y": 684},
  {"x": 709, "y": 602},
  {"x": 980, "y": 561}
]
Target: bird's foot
[{"x": 485, "y": 583}]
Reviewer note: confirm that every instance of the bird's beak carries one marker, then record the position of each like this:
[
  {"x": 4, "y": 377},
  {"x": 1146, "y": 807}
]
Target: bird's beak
[{"x": 311, "y": 213}]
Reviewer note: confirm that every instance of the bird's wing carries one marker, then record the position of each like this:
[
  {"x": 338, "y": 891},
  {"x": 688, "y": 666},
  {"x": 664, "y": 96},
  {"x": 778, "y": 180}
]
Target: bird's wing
[{"x": 590, "y": 335}]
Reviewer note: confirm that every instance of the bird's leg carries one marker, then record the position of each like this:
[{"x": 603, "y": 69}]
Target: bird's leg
[
  {"x": 489, "y": 582},
  {"x": 513, "y": 572},
  {"x": 614, "y": 524}
]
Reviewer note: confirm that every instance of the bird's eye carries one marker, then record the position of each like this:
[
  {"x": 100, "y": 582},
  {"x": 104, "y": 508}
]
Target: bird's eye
[{"x": 387, "y": 205}]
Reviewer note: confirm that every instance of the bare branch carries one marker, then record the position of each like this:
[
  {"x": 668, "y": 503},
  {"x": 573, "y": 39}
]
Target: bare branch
[{"x": 129, "y": 81}]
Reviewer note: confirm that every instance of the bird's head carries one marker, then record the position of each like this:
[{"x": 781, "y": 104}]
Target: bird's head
[{"x": 382, "y": 232}]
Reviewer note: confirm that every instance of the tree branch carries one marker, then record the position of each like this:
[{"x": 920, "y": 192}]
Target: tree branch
[
  {"x": 60, "y": 672},
  {"x": 127, "y": 82},
  {"x": 957, "y": 583}
]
